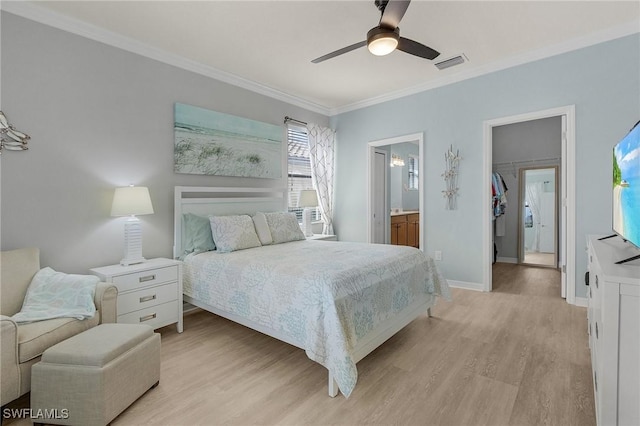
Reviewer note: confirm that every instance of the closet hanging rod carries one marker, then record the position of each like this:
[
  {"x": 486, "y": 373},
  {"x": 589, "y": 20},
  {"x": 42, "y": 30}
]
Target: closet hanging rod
[
  {"x": 288, "y": 119},
  {"x": 538, "y": 160}
]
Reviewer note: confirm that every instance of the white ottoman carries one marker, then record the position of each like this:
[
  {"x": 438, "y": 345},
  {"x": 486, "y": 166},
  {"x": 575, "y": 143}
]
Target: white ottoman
[{"x": 93, "y": 376}]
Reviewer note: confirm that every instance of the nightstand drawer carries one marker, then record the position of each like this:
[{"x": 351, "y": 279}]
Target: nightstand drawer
[
  {"x": 147, "y": 297},
  {"x": 155, "y": 316},
  {"x": 145, "y": 278},
  {"x": 149, "y": 292}
]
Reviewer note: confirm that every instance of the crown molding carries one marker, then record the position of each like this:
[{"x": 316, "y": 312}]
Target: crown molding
[
  {"x": 613, "y": 33},
  {"x": 48, "y": 17}
]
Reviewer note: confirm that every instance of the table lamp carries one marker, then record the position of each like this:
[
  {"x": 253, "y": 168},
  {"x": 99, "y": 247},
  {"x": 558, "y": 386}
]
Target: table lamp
[
  {"x": 131, "y": 201},
  {"x": 307, "y": 198}
]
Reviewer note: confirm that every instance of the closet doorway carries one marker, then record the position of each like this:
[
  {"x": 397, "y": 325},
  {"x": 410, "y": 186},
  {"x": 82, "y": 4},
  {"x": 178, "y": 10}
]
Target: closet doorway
[
  {"x": 538, "y": 214},
  {"x": 566, "y": 245}
]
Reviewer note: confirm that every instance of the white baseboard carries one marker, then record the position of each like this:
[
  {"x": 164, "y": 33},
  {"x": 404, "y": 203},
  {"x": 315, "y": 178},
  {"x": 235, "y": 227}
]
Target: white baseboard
[
  {"x": 582, "y": 301},
  {"x": 579, "y": 301},
  {"x": 507, "y": 259},
  {"x": 466, "y": 285}
]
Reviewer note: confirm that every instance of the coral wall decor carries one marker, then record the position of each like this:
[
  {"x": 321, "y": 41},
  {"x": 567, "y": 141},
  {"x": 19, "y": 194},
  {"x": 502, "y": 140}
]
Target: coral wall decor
[
  {"x": 10, "y": 138},
  {"x": 451, "y": 160}
]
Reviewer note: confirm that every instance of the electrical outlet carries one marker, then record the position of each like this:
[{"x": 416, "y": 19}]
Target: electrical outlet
[{"x": 438, "y": 255}]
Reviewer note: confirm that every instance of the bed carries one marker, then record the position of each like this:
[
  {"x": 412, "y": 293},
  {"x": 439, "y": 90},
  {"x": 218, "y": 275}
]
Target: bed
[{"x": 338, "y": 301}]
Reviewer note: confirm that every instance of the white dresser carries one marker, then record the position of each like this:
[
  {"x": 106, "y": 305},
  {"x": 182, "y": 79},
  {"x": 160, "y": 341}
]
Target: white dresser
[
  {"x": 148, "y": 292},
  {"x": 614, "y": 331}
]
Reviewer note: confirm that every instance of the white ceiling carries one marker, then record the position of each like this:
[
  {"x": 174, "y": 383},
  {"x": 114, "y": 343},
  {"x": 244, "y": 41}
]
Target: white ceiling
[{"x": 272, "y": 43}]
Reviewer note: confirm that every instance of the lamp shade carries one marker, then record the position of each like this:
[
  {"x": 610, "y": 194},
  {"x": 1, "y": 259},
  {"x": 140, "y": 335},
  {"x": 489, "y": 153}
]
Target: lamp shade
[
  {"x": 131, "y": 201},
  {"x": 308, "y": 198}
]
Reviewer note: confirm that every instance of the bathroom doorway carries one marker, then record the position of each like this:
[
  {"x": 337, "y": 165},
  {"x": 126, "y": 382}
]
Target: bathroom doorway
[{"x": 404, "y": 189}]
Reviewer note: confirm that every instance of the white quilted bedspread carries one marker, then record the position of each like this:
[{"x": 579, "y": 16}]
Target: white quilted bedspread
[{"x": 324, "y": 295}]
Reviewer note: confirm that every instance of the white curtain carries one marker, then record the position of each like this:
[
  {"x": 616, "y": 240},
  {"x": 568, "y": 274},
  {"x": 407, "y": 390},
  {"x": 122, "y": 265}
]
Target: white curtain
[
  {"x": 534, "y": 191},
  {"x": 321, "y": 153}
]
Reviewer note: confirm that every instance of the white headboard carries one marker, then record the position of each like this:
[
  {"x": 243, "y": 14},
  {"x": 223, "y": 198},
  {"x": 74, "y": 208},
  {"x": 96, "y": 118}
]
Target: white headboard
[{"x": 208, "y": 201}]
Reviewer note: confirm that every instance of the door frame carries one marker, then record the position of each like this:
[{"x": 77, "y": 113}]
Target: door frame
[
  {"x": 385, "y": 207},
  {"x": 371, "y": 147},
  {"x": 556, "y": 216},
  {"x": 567, "y": 251}
]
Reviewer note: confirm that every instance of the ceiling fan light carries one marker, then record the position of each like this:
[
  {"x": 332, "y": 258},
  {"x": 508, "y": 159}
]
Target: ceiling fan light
[
  {"x": 383, "y": 46},
  {"x": 382, "y": 41}
]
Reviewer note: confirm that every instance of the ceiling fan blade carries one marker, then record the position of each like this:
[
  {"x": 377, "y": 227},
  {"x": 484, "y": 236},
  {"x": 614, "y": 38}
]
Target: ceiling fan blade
[
  {"x": 393, "y": 13},
  {"x": 340, "y": 51},
  {"x": 417, "y": 49}
]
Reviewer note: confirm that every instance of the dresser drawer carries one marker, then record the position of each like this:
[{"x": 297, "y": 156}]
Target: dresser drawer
[
  {"x": 590, "y": 332},
  {"x": 147, "y": 297},
  {"x": 594, "y": 294},
  {"x": 596, "y": 344},
  {"x": 155, "y": 316},
  {"x": 145, "y": 278}
]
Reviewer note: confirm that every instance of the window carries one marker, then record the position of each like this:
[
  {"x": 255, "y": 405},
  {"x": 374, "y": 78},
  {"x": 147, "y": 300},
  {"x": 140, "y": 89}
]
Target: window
[
  {"x": 528, "y": 216},
  {"x": 413, "y": 172},
  {"x": 299, "y": 169}
]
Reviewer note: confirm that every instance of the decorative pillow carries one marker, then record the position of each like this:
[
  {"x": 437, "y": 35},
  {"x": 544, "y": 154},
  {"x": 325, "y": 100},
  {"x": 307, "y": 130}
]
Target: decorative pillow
[
  {"x": 197, "y": 234},
  {"x": 233, "y": 233},
  {"x": 284, "y": 227},
  {"x": 54, "y": 294},
  {"x": 262, "y": 228}
]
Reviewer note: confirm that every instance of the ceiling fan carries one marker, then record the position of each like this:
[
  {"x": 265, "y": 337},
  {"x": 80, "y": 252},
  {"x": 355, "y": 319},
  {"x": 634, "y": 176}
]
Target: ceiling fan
[{"x": 385, "y": 38}]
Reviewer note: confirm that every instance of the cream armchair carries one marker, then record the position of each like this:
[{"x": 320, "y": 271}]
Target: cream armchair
[{"x": 21, "y": 345}]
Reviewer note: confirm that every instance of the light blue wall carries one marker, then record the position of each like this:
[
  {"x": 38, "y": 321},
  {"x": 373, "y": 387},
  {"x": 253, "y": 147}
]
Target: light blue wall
[
  {"x": 100, "y": 117},
  {"x": 602, "y": 81}
]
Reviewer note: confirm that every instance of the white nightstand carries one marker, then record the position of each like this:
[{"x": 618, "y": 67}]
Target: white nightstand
[
  {"x": 323, "y": 237},
  {"x": 148, "y": 292}
]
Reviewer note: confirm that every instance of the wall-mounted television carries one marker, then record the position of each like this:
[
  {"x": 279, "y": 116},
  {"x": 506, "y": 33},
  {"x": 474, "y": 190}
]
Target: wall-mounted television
[{"x": 626, "y": 188}]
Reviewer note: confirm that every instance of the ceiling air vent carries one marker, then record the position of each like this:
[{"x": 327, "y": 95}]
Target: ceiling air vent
[{"x": 451, "y": 62}]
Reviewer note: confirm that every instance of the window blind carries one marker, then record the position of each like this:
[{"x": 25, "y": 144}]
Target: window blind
[
  {"x": 413, "y": 173},
  {"x": 299, "y": 168}
]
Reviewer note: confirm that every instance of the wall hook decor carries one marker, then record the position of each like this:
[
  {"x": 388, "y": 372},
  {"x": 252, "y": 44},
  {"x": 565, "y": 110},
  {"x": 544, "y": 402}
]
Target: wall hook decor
[
  {"x": 451, "y": 160},
  {"x": 10, "y": 138}
]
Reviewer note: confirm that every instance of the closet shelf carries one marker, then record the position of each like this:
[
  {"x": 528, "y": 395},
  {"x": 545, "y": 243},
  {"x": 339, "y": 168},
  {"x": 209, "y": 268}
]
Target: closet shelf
[{"x": 511, "y": 166}]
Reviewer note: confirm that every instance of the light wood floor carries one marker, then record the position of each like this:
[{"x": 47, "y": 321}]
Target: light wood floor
[
  {"x": 540, "y": 258},
  {"x": 516, "y": 356}
]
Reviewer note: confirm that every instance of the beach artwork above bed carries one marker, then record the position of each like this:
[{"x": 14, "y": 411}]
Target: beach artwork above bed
[{"x": 212, "y": 143}]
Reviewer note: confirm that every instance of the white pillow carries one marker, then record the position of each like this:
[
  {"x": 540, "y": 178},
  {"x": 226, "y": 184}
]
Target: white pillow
[
  {"x": 232, "y": 233},
  {"x": 284, "y": 227},
  {"x": 262, "y": 229},
  {"x": 54, "y": 294}
]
